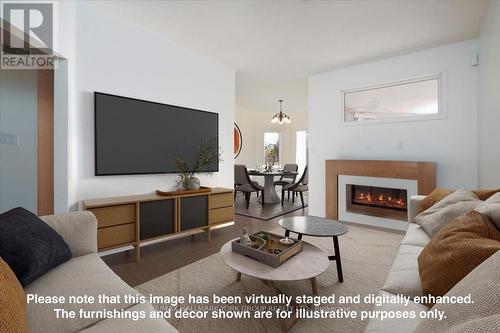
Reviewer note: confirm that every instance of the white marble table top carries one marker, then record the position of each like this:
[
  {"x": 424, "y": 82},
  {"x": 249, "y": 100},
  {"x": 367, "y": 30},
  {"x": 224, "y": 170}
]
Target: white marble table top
[{"x": 307, "y": 264}]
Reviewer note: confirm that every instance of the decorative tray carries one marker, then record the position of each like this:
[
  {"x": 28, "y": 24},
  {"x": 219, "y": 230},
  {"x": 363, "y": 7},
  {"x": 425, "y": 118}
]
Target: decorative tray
[
  {"x": 267, "y": 249},
  {"x": 202, "y": 189}
]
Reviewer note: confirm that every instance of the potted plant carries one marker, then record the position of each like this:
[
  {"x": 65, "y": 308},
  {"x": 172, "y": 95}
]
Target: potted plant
[{"x": 208, "y": 153}]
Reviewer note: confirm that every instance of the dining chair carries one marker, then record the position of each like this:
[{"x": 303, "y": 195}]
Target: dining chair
[
  {"x": 299, "y": 187},
  {"x": 244, "y": 184},
  {"x": 287, "y": 179},
  {"x": 240, "y": 178}
]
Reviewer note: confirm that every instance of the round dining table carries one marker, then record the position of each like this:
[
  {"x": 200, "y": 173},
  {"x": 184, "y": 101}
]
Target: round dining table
[{"x": 270, "y": 195}]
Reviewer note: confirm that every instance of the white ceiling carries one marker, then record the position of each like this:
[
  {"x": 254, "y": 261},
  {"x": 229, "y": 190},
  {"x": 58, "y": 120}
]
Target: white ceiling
[{"x": 275, "y": 45}]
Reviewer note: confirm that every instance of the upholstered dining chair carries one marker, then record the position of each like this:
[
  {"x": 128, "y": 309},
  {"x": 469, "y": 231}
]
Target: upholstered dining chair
[
  {"x": 299, "y": 187},
  {"x": 244, "y": 184},
  {"x": 287, "y": 179}
]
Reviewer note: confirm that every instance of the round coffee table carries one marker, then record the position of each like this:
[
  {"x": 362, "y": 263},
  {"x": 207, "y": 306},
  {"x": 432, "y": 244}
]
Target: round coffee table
[
  {"x": 305, "y": 265},
  {"x": 317, "y": 227}
]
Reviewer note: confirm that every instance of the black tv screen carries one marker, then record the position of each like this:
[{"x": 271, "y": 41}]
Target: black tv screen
[{"x": 133, "y": 136}]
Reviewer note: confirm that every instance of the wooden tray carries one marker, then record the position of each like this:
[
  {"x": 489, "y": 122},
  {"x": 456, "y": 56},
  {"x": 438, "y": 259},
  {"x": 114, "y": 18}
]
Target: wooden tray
[
  {"x": 262, "y": 253},
  {"x": 202, "y": 189}
]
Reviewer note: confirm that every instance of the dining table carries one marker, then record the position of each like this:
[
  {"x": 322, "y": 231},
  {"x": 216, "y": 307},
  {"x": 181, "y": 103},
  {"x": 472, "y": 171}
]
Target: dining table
[{"x": 270, "y": 194}]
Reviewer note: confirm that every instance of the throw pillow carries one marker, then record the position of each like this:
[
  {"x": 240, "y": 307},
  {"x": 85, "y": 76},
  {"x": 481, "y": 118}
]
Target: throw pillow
[
  {"x": 491, "y": 208},
  {"x": 485, "y": 194},
  {"x": 433, "y": 198},
  {"x": 29, "y": 246},
  {"x": 452, "y": 206},
  {"x": 455, "y": 251},
  {"x": 483, "y": 284},
  {"x": 440, "y": 193},
  {"x": 13, "y": 316}
]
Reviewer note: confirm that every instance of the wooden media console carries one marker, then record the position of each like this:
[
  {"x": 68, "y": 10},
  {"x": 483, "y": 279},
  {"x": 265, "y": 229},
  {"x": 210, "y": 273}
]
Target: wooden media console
[{"x": 132, "y": 220}]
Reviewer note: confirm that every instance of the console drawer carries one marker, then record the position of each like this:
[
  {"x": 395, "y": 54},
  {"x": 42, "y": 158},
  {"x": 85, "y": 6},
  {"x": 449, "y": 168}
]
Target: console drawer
[
  {"x": 221, "y": 215},
  {"x": 114, "y": 215},
  {"x": 221, "y": 200},
  {"x": 117, "y": 235}
]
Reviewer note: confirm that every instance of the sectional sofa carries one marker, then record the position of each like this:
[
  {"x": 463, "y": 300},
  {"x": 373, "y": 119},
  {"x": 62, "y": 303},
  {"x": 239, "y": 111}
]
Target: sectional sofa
[
  {"x": 84, "y": 274},
  {"x": 403, "y": 278}
]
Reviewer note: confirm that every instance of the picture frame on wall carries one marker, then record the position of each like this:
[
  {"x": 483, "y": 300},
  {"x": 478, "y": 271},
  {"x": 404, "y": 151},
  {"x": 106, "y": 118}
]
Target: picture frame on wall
[{"x": 238, "y": 140}]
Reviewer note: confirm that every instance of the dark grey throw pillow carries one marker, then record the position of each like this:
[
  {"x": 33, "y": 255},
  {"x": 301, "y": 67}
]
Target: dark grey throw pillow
[{"x": 30, "y": 246}]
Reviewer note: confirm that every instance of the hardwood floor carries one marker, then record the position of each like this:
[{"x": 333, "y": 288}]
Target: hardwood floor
[{"x": 161, "y": 258}]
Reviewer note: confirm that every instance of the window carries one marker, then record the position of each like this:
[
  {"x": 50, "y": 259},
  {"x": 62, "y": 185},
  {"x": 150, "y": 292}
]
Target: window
[
  {"x": 404, "y": 100},
  {"x": 271, "y": 148},
  {"x": 301, "y": 150}
]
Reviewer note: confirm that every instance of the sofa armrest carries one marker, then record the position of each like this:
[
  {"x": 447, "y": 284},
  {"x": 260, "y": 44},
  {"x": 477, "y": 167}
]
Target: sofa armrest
[
  {"x": 413, "y": 207},
  {"x": 78, "y": 229}
]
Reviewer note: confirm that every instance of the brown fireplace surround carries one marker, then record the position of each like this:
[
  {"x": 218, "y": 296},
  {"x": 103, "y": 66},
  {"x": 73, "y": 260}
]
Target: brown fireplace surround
[{"x": 423, "y": 172}]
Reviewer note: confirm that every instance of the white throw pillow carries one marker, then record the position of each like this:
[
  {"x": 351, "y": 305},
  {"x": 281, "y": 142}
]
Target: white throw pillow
[
  {"x": 491, "y": 208},
  {"x": 452, "y": 206},
  {"x": 483, "y": 316}
]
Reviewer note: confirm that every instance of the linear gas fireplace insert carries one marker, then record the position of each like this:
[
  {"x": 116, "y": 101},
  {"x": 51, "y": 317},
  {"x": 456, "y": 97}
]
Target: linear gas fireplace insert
[{"x": 377, "y": 201}]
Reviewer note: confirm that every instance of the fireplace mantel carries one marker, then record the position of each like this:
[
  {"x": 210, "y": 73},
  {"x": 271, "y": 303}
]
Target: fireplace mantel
[{"x": 423, "y": 172}]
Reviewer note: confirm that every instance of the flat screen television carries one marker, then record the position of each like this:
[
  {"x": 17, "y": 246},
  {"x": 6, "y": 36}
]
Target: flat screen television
[{"x": 133, "y": 136}]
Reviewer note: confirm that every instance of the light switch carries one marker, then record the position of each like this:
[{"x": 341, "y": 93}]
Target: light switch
[{"x": 9, "y": 139}]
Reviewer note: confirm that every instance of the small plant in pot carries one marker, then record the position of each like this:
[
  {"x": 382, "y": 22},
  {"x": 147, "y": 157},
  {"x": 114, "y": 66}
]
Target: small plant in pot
[{"x": 208, "y": 154}]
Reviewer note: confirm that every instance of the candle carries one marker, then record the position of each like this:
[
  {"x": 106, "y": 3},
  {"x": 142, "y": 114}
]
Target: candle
[{"x": 286, "y": 241}]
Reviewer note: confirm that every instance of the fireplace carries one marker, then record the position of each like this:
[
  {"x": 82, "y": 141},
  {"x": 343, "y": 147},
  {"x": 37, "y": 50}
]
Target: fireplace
[
  {"x": 409, "y": 177},
  {"x": 377, "y": 201}
]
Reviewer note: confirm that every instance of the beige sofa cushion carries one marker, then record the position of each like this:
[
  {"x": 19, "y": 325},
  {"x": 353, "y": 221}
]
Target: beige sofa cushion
[
  {"x": 416, "y": 236},
  {"x": 491, "y": 208},
  {"x": 414, "y": 207},
  {"x": 85, "y": 275},
  {"x": 452, "y": 206},
  {"x": 483, "y": 316},
  {"x": 406, "y": 325},
  {"x": 78, "y": 229},
  {"x": 403, "y": 277},
  {"x": 129, "y": 326}
]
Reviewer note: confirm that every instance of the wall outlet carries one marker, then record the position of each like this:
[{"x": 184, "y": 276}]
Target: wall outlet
[{"x": 9, "y": 139}]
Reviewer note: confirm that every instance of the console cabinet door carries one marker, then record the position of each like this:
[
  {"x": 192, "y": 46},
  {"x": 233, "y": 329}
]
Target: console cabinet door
[
  {"x": 157, "y": 218},
  {"x": 194, "y": 212}
]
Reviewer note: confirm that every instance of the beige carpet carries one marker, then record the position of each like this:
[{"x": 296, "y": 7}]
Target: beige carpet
[{"x": 367, "y": 256}]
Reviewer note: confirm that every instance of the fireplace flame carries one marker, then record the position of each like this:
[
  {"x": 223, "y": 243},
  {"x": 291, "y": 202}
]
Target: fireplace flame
[{"x": 380, "y": 199}]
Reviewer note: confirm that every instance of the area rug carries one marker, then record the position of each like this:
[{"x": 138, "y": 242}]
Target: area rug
[
  {"x": 367, "y": 256},
  {"x": 268, "y": 211}
]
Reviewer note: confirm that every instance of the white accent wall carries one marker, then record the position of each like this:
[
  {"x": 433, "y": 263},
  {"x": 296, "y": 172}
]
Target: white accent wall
[
  {"x": 450, "y": 142},
  {"x": 111, "y": 55},
  {"x": 254, "y": 124},
  {"x": 489, "y": 98}
]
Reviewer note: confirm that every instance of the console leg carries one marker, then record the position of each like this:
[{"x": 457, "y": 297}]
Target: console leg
[{"x": 137, "y": 252}]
